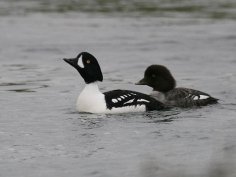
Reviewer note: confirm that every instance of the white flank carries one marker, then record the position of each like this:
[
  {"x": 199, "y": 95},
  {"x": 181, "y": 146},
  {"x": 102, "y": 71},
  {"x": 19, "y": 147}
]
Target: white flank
[
  {"x": 202, "y": 97},
  {"x": 80, "y": 62},
  {"x": 142, "y": 100},
  {"x": 130, "y": 101},
  {"x": 114, "y": 100},
  {"x": 91, "y": 100},
  {"x": 138, "y": 108}
]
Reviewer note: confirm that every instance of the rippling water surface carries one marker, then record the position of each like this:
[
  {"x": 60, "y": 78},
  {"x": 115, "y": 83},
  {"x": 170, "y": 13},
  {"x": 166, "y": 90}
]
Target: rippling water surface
[{"x": 42, "y": 135}]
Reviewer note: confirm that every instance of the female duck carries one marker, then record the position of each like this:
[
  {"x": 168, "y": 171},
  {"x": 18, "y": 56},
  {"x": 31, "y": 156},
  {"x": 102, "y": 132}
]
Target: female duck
[{"x": 163, "y": 83}]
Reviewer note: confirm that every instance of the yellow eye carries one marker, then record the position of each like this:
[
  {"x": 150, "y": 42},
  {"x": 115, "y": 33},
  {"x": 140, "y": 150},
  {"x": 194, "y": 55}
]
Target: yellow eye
[{"x": 88, "y": 61}]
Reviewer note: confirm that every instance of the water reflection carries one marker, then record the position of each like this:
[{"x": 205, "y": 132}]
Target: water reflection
[{"x": 162, "y": 116}]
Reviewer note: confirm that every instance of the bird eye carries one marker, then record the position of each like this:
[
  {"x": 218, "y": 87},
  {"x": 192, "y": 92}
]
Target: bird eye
[
  {"x": 153, "y": 75},
  {"x": 88, "y": 61}
]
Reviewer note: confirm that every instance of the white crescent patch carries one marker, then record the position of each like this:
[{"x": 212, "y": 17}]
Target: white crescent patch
[{"x": 80, "y": 62}]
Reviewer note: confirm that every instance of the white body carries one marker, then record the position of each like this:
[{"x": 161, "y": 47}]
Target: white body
[{"x": 91, "y": 100}]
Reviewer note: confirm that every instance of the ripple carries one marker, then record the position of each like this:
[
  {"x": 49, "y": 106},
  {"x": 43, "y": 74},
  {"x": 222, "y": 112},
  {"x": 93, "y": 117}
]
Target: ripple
[
  {"x": 20, "y": 67},
  {"x": 11, "y": 84},
  {"x": 22, "y": 90}
]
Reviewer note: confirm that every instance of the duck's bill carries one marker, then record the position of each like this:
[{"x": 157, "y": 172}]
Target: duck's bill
[
  {"x": 70, "y": 61},
  {"x": 141, "y": 82}
]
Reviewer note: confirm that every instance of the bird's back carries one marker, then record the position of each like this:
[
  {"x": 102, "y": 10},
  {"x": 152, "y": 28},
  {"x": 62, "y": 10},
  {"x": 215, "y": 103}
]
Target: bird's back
[{"x": 184, "y": 97}]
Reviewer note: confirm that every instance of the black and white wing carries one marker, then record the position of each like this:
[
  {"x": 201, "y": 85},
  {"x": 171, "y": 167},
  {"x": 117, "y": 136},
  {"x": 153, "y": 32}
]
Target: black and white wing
[
  {"x": 125, "y": 98},
  {"x": 185, "y": 97}
]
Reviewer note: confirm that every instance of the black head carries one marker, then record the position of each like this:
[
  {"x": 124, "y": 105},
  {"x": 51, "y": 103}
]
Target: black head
[
  {"x": 88, "y": 67},
  {"x": 159, "y": 78}
]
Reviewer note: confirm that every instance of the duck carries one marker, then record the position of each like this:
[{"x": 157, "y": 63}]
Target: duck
[
  {"x": 164, "y": 87},
  {"x": 92, "y": 100}
]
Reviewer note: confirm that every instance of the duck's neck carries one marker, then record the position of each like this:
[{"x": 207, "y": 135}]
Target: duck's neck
[
  {"x": 92, "y": 88},
  {"x": 165, "y": 86}
]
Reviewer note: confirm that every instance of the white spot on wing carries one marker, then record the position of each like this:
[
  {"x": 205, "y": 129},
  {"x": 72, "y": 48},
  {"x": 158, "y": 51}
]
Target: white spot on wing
[
  {"x": 119, "y": 99},
  {"x": 195, "y": 98},
  {"x": 130, "y": 101},
  {"x": 80, "y": 62},
  {"x": 114, "y": 100},
  {"x": 200, "y": 97},
  {"x": 143, "y": 100},
  {"x": 122, "y": 97}
]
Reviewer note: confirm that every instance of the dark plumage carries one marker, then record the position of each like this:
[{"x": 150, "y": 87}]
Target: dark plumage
[{"x": 164, "y": 89}]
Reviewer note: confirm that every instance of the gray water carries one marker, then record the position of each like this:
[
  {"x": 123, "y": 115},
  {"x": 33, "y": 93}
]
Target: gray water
[{"x": 42, "y": 135}]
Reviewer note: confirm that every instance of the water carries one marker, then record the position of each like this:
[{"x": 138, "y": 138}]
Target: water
[{"x": 42, "y": 135}]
